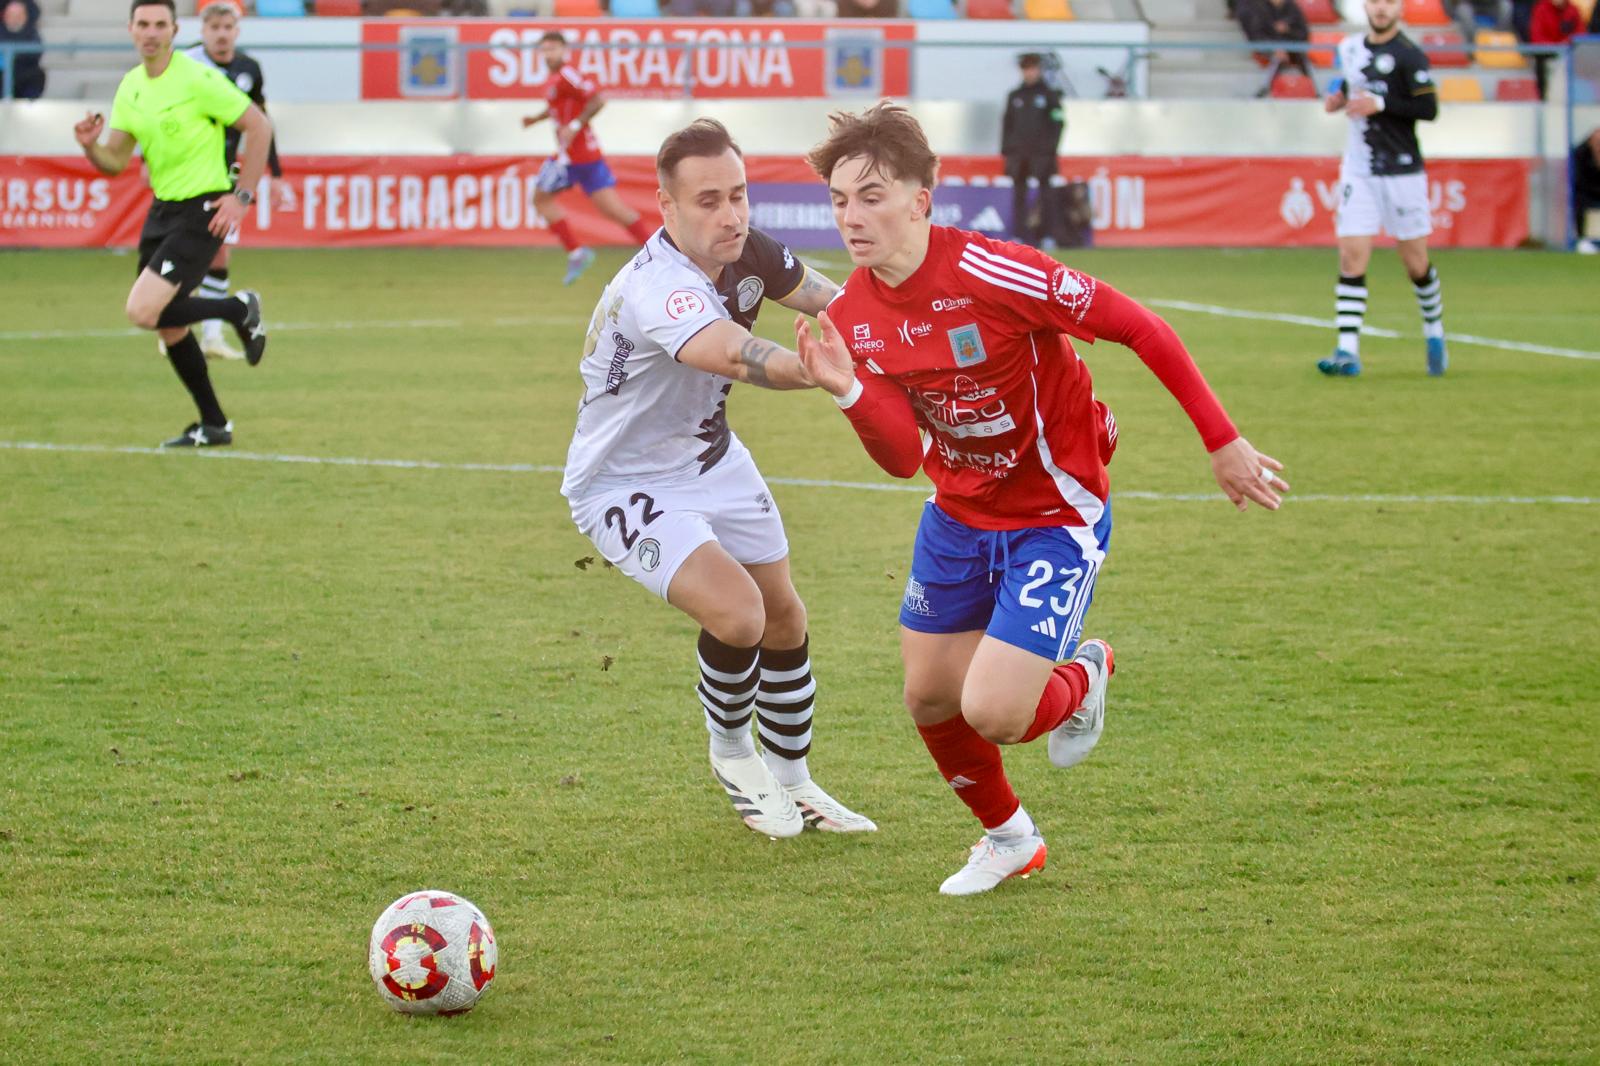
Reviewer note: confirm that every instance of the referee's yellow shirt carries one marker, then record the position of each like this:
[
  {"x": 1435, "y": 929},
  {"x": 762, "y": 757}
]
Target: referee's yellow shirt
[{"x": 179, "y": 120}]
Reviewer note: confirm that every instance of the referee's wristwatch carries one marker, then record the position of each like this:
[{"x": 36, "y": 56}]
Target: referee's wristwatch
[{"x": 244, "y": 196}]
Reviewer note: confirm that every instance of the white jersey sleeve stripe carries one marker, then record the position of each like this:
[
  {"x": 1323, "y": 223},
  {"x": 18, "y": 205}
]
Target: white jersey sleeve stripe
[
  {"x": 1001, "y": 272},
  {"x": 1000, "y": 282},
  {"x": 1000, "y": 260}
]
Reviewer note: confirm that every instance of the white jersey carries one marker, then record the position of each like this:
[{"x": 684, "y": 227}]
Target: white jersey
[{"x": 646, "y": 418}]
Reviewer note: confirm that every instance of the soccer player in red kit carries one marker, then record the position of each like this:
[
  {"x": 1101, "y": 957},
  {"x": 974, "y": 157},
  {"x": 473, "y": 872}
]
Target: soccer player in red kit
[
  {"x": 967, "y": 341},
  {"x": 573, "y": 103}
]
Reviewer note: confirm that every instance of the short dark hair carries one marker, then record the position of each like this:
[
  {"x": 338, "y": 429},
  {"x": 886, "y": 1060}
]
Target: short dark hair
[
  {"x": 1030, "y": 59},
  {"x": 702, "y": 138},
  {"x": 553, "y": 35},
  {"x": 170, "y": 5},
  {"x": 888, "y": 136}
]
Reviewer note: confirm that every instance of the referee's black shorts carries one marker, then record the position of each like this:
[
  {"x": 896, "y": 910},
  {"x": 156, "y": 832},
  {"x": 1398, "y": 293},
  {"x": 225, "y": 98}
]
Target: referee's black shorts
[{"x": 175, "y": 242}]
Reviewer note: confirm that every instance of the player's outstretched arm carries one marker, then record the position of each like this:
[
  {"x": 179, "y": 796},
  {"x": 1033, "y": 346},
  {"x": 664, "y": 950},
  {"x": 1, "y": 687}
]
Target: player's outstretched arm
[
  {"x": 110, "y": 158},
  {"x": 878, "y": 409},
  {"x": 727, "y": 348},
  {"x": 1246, "y": 474},
  {"x": 812, "y": 294}
]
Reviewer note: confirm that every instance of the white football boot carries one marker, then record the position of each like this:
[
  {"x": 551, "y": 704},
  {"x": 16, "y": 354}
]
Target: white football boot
[
  {"x": 213, "y": 344},
  {"x": 1071, "y": 742},
  {"x": 757, "y": 796},
  {"x": 992, "y": 862},
  {"x": 821, "y": 811}
]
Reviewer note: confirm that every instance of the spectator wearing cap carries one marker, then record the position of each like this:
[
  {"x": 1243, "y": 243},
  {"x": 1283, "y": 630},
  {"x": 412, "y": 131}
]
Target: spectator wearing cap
[
  {"x": 1030, "y": 141},
  {"x": 19, "y": 25}
]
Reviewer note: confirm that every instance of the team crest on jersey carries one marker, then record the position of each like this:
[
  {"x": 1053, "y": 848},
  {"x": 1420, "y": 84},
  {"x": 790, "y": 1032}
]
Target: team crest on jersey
[
  {"x": 1073, "y": 290},
  {"x": 245, "y": 82},
  {"x": 1384, "y": 63},
  {"x": 967, "y": 345},
  {"x": 749, "y": 292}
]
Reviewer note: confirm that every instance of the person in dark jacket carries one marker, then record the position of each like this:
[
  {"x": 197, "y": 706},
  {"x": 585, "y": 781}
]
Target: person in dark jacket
[
  {"x": 1030, "y": 140},
  {"x": 1586, "y": 189},
  {"x": 19, "y": 24},
  {"x": 1275, "y": 20}
]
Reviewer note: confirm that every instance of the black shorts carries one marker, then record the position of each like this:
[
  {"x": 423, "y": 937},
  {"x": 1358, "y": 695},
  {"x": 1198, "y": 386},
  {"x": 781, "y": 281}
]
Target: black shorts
[{"x": 175, "y": 242}]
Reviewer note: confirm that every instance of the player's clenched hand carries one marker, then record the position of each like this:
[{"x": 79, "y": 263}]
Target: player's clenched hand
[
  {"x": 228, "y": 214},
  {"x": 1245, "y": 474},
  {"x": 88, "y": 131},
  {"x": 827, "y": 360}
]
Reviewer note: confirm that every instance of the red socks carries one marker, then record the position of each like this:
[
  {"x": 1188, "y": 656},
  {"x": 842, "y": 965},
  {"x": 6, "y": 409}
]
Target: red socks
[
  {"x": 1063, "y": 694},
  {"x": 642, "y": 229},
  {"x": 972, "y": 767},
  {"x": 563, "y": 232}
]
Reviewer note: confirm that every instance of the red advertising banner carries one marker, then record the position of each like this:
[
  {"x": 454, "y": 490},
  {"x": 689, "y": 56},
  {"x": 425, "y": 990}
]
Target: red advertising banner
[
  {"x": 340, "y": 201},
  {"x": 654, "y": 59}
]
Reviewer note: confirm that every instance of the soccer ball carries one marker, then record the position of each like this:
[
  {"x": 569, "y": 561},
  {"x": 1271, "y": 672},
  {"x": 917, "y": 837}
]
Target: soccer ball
[{"x": 432, "y": 952}]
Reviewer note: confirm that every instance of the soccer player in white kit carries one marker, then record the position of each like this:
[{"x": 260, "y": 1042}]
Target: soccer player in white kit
[
  {"x": 670, "y": 496},
  {"x": 1386, "y": 87}
]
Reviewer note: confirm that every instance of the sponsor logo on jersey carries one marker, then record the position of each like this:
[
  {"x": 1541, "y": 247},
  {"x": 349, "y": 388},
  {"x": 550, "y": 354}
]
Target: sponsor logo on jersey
[
  {"x": 970, "y": 391},
  {"x": 947, "y": 415},
  {"x": 749, "y": 292},
  {"x": 764, "y": 502},
  {"x": 861, "y": 339},
  {"x": 1072, "y": 290},
  {"x": 994, "y": 464},
  {"x": 966, "y": 344},
  {"x": 617, "y": 372},
  {"x": 1047, "y": 627},
  {"x": 910, "y": 334},
  {"x": 649, "y": 554},
  {"x": 685, "y": 302},
  {"x": 951, "y": 303},
  {"x": 916, "y": 599}
]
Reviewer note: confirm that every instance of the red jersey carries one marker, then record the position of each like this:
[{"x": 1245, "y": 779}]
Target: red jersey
[
  {"x": 972, "y": 352},
  {"x": 568, "y": 93}
]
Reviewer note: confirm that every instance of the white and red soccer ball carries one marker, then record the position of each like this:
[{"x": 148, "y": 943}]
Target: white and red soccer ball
[{"x": 432, "y": 952}]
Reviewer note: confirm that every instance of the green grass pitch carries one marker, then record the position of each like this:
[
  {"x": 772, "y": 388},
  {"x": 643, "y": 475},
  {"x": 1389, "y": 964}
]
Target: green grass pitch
[{"x": 1346, "y": 810}]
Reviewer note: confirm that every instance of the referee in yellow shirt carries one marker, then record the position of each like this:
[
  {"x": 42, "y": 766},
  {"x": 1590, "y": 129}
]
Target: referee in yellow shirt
[{"x": 176, "y": 109}]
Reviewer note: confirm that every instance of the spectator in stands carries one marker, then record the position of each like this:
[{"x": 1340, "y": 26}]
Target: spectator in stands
[
  {"x": 19, "y": 25},
  {"x": 1586, "y": 189},
  {"x": 716, "y": 9},
  {"x": 1493, "y": 14},
  {"x": 868, "y": 9},
  {"x": 1553, "y": 22},
  {"x": 1030, "y": 141},
  {"x": 1275, "y": 20}
]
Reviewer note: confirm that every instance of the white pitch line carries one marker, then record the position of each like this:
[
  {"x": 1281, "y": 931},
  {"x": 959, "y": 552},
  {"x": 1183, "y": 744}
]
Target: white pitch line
[
  {"x": 1373, "y": 331},
  {"x": 861, "y": 486},
  {"x": 309, "y": 327}
]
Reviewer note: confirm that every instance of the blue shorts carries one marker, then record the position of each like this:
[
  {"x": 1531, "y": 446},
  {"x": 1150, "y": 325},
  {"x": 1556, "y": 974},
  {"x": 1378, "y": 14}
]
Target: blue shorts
[
  {"x": 1027, "y": 587},
  {"x": 555, "y": 176}
]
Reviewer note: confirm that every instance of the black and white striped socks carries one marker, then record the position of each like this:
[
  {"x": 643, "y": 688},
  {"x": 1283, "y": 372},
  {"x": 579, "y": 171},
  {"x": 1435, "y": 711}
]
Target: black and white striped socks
[
  {"x": 727, "y": 691},
  {"x": 215, "y": 284},
  {"x": 1430, "y": 301},
  {"x": 783, "y": 711},
  {"x": 1350, "y": 310}
]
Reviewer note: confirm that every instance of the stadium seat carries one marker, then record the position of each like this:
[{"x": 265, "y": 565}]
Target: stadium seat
[
  {"x": 280, "y": 9},
  {"x": 1320, "y": 12},
  {"x": 1293, "y": 87},
  {"x": 1429, "y": 43},
  {"x": 635, "y": 9},
  {"x": 915, "y": 9},
  {"x": 990, "y": 9},
  {"x": 1323, "y": 57},
  {"x": 1497, "y": 49},
  {"x": 1460, "y": 89},
  {"x": 1425, "y": 13},
  {"x": 338, "y": 8},
  {"x": 1059, "y": 10},
  {"x": 1517, "y": 89},
  {"x": 577, "y": 9}
]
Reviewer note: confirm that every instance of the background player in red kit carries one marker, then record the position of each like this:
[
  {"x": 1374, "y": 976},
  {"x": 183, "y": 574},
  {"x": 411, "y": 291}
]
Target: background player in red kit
[
  {"x": 573, "y": 102},
  {"x": 964, "y": 338}
]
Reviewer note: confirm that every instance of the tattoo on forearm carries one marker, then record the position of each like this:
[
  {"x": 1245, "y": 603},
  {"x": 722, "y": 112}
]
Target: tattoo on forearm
[
  {"x": 753, "y": 356},
  {"x": 816, "y": 291}
]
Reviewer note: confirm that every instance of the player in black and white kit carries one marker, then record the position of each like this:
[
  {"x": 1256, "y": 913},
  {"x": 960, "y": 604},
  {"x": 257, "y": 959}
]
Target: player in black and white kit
[
  {"x": 1384, "y": 89},
  {"x": 219, "y": 35},
  {"x": 670, "y": 495}
]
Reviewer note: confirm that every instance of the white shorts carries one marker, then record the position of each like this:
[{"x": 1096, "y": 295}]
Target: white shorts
[
  {"x": 1396, "y": 204},
  {"x": 647, "y": 531}
]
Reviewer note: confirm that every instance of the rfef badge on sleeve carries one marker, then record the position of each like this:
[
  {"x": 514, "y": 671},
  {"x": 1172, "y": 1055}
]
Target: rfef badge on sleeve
[
  {"x": 855, "y": 62},
  {"x": 967, "y": 344},
  {"x": 428, "y": 61}
]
